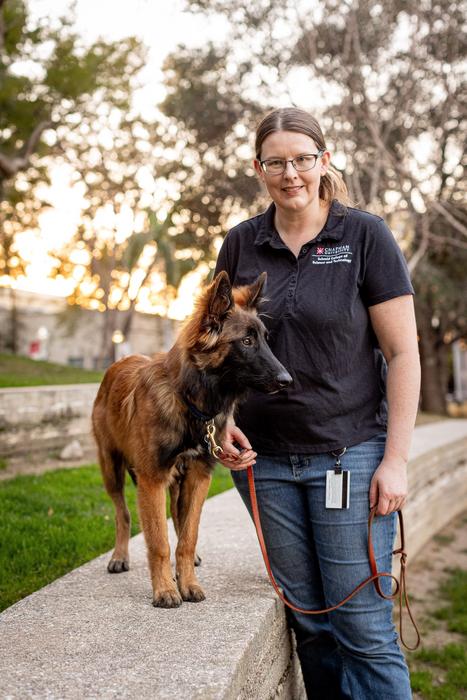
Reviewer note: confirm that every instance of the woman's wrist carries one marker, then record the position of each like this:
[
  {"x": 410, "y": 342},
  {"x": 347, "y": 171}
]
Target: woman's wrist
[{"x": 395, "y": 460}]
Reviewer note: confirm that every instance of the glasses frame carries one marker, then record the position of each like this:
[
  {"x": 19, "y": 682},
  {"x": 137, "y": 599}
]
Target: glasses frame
[{"x": 291, "y": 160}]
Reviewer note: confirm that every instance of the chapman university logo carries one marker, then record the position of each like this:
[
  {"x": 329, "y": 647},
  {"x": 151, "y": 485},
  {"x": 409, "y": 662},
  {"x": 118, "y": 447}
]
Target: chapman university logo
[{"x": 327, "y": 256}]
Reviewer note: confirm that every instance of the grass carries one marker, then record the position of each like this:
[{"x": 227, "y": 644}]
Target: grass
[
  {"x": 441, "y": 673},
  {"x": 21, "y": 371},
  {"x": 444, "y": 673},
  {"x": 454, "y": 591},
  {"x": 444, "y": 539},
  {"x": 57, "y": 521}
]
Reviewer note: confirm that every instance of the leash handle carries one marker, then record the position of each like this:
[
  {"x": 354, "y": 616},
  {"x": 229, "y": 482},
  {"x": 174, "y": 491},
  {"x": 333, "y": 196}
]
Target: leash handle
[{"x": 400, "y": 590}]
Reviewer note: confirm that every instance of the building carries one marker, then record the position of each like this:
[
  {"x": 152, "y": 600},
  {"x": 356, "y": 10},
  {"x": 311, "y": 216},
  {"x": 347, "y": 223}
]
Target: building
[{"x": 50, "y": 329}]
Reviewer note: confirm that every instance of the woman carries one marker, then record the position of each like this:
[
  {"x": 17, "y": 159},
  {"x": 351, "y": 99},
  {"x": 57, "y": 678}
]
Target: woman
[{"x": 339, "y": 298}]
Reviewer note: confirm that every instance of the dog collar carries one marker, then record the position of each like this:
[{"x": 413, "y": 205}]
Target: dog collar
[
  {"x": 210, "y": 437},
  {"x": 196, "y": 412}
]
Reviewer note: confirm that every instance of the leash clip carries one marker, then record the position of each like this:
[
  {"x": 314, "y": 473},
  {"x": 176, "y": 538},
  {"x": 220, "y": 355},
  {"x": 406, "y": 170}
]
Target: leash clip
[
  {"x": 210, "y": 439},
  {"x": 338, "y": 455}
]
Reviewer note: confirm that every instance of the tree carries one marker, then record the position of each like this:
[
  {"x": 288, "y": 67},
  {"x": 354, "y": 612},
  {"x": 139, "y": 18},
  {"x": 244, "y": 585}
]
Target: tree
[
  {"x": 206, "y": 167},
  {"x": 388, "y": 77},
  {"x": 50, "y": 82}
]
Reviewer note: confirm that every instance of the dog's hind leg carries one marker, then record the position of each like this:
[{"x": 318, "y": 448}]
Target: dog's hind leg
[
  {"x": 193, "y": 491},
  {"x": 113, "y": 472},
  {"x": 175, "y": 504},
  {"x": 152, "y": 514}
]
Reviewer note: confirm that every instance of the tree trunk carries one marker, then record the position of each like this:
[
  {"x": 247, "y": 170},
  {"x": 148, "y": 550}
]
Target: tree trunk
[
  {"x": 12, "y": 340},
  {"x": 107, "y": 350},
  {"x": 433, "y": 392}
]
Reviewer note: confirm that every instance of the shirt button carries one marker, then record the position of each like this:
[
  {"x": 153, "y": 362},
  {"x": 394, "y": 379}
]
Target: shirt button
[{"x": 304, "y": 249}]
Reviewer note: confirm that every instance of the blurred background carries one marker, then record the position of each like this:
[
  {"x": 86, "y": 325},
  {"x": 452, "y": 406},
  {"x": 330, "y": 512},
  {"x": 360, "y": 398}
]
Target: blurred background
[{"x": 126, "y": 154}]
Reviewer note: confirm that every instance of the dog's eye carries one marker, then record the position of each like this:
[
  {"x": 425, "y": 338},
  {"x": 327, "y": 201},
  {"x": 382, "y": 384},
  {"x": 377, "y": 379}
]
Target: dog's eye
[{"x": 247, "y": 341}]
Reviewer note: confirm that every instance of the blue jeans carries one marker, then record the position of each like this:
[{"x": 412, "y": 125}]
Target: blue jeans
[{"x": 318, "y": 555}]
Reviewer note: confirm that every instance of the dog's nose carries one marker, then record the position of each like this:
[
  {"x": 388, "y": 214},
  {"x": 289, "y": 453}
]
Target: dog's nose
[{"x": 284, "y": 379}]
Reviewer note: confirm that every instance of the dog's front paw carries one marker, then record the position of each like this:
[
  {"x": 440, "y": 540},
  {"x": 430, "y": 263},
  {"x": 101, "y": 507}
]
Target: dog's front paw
[
  {"x": 192, "y": 593},
  {"x": 116, "y": 566},
  {"x": 167, "y": 599}
]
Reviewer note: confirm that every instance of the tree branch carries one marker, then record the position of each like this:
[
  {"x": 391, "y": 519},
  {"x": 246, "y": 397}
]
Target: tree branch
[
  {"x": 446, "y": 239},
  {"x": 449, "y": 217},
  {"x": 11, "y": 165},
  {"x": 422, "y": 248}
]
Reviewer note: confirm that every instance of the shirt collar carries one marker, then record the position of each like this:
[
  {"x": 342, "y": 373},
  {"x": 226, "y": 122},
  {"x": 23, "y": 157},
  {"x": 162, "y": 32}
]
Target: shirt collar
[{"x": 333, "y": 228}]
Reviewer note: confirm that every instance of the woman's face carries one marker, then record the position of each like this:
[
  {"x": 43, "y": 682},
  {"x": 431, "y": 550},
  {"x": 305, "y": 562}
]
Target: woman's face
[{"x": 292, "y": 190}]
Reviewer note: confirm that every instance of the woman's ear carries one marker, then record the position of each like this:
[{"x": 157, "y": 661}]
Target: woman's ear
[
  {"x": 258, "y": 168},
  {"x": 325, "y": 162}
]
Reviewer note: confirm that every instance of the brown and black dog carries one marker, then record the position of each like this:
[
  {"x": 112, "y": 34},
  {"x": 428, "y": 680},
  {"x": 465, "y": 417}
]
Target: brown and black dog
[{"x": 151, "y": 417}]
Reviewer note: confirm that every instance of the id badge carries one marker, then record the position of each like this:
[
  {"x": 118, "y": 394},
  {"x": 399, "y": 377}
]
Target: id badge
[{"x": 337, "y": 488}]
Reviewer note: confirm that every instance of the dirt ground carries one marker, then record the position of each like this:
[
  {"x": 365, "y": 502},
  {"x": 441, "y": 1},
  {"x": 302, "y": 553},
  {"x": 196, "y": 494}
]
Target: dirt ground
[{"x": 447, "y": 550}]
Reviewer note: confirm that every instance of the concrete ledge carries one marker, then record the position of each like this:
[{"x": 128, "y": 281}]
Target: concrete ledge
[
  {"x": 437, "y": 480},
  {"x": 93, "y": 635},
  {"x": 45, "y": 417}
]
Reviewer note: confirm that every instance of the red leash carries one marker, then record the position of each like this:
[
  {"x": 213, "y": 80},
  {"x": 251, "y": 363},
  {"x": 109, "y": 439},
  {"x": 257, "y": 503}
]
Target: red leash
[{"x": 401, "y": 588}]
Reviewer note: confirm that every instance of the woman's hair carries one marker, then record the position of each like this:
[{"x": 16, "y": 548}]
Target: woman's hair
[{"x": 332, "y": 185}]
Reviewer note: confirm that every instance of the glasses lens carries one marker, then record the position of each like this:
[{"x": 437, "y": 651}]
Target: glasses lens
[
  {"x": 306, "y": 162},
  {"x": 274, "y": 166}
]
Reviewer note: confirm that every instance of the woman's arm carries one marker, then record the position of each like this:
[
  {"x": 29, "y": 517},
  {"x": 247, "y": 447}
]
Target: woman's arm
[{"x": 394, "y": 324}]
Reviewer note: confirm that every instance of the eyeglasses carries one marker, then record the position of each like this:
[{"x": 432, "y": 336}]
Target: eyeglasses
[{"x": 276, "y": 166}]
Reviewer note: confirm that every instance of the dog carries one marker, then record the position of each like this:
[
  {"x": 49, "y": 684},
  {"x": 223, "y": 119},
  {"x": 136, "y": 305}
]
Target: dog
[{"x": 160, "y": 418}]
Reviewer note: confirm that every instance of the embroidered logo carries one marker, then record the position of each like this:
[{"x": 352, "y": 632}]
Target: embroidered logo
[{"x": 336, "y": 254}]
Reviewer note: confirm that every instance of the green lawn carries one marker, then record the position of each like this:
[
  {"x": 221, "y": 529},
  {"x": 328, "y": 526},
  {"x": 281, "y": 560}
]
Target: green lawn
[
  {"x": 21, "y": 371},
  {"x": 58, "y": 521},
  {"x": 440, "y": 673}
]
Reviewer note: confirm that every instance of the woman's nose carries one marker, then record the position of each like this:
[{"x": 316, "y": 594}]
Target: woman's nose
[{"x": 289, "y": 169}]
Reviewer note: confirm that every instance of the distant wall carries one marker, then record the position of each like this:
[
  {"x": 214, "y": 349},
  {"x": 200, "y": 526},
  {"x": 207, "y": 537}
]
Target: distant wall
[
  {"x": 43, "y": 418},
  {"x": 74, "y": 333}
]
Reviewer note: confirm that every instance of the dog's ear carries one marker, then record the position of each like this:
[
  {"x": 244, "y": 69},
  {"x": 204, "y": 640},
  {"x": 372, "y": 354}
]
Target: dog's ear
[
  {"x": 249, "y": 296},
  {"x": 220, "y": 300}
]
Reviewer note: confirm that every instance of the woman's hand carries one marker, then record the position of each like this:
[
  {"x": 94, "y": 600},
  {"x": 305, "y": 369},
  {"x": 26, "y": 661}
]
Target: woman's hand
[
  {"x": 232, "y": 457},
  {"x": 388, "y": 486}
]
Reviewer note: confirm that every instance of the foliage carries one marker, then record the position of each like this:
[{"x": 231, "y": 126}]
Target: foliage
[
  {"x": 69, "y": 513},
  {"x": 21, "y": 371},
  {"x": 49, "y": 82}
]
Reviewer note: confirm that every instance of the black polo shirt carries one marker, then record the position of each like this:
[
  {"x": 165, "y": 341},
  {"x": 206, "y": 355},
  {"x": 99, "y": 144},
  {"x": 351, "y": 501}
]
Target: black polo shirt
[{"x": 316, "y": 311}]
